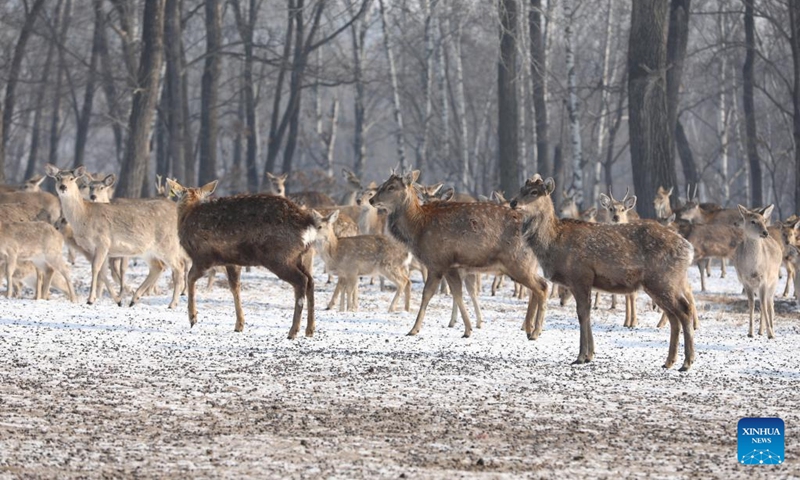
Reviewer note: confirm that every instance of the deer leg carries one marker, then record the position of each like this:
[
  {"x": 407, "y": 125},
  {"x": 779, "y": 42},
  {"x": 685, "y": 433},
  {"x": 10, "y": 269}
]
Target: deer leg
[
  {"x": 98, "y": 261},
  {"x": 297, "y": 276},
  {"x": 613, "y": 302},
  {"x": 306, "y": 268},
  {"x": 750, "y": 308},
  {"x": 336, "y": 291},
  {"x": 583, "y": 299},
  {"x": 702, "y": 265},
  {"x": 453, "y": 314},
  {"x": 472, "y": 284},
  {"x": 11, "y": 266},
  {"x": 63, "y": 270},
  {"x": 156, "y": 267},
  {"x": 431, "y": 284},
  {"x": 789, "y": 277},
  {"x": 234, "y": 283},
  {"x": 496, "y": 283},
  {"x": 177, "y": 280},
  {"x": 596, "y": 299},
  {"x": 195, "y": 273},
  {"x": 722, "y": 267},
  {"x": 770, "y": 314},
  {"x": 762, "y": 317},
  {"x": 396, "y": 277},
  {"x": 454, "y": 280},
  {"x": 47, "y": 278}
]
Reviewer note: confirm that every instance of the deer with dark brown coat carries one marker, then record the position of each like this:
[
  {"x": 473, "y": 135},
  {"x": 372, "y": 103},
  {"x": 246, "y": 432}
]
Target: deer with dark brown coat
[
  {"x": 448, "y": 236},
  {"x": 617, "y": 258},
  {"x": 276, "y": 185},
  {"x": 247, "y": 230}
]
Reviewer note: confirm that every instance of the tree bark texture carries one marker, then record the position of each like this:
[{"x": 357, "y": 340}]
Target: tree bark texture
[
  {"x": 209, "y": 93},
  {"x": 538, "y": 63},
  {"x": 508, "y": 111},
  {"x": 677, "y": 41},
  {"x": 82, "y": 128},
  {"x": 398, "y": 112},
  {"x": 748, "y": 102},
  {"x": 794, "y": 22},
  {"x": 576, "y": 185},
  {"x": 172, "y": 89}
]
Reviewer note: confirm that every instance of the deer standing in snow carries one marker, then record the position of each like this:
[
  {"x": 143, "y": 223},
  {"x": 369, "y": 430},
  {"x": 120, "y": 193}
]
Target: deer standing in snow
[{"x": 618, "y": 258}]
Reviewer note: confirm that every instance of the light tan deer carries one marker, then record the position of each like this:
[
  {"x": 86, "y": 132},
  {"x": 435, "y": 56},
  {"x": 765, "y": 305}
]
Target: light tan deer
[
  {"x": 38, "y": 243},
  {"x": 27, "y": 275},
  {"x": 260, "y": 230},
  {"x": 448, "y": 236},
  {"x": 709, "y": 241},
  {"x": 661, "y": 203},
  {"x": 45, "y": 202},
  {"x": 352, "y": 187},
  {"x": 789, "y": 238},
  {"x": 618, "y": 258},
  {"x": 66, "y": 231},
  {"x": 276, "y": 185},
  {"x": 350, "y": 257},
  {"x": 32, "y": 184},
  {"x": 757, "y": 260},
  {"x": 142, "y": 228},
  {"x": 622, "y": 211}
]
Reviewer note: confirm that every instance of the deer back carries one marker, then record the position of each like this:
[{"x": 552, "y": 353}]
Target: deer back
[{"x": 44, "y": 202}]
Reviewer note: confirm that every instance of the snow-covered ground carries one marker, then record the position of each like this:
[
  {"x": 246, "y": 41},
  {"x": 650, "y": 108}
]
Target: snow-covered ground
[{"x": 101, "y": 390}]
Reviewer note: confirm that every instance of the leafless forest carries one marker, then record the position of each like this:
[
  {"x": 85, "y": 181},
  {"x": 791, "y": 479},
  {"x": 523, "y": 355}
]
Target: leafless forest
[{"x": 599, "y": 94}]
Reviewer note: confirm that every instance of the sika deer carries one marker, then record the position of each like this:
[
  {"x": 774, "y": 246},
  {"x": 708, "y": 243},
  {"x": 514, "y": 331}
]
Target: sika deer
[
  {"x": 276, "y": 185},
  {"x": 789, "y": 232},
  {"x": 661, "y": 202},
  {"x": 618, "y": 258},
  {"x": 36, "y": 242},
  {"x": 45, "y": 202},
  {"x": 352, "y": 186},
  {"x": 621, "y": 211},
  {"x": 757, "y": 261},
  {"x": 242, "y": 230},
  {"x": 350, "y": 257},
  {"x": 32, "y": 184},
  {"x": 136, "y": 228},
  {"x": 448, "y": 236}
]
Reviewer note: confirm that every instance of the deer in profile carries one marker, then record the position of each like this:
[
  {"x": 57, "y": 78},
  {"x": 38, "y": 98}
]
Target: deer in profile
[
  {"x": 617, "y": 258},
  {"x": 352, "y": 187},
  {"x": 241, "y": 230},
  {"x": 622, "y": 211},
  {"x": 757, "y": 260},
  {"x": 276, "y": 185},
  {"x": 449, "y": 236},
  {"x": 135, "y": 228},
  {"x": 351, "y": 257},
  {"x": 38, "y": 243}
]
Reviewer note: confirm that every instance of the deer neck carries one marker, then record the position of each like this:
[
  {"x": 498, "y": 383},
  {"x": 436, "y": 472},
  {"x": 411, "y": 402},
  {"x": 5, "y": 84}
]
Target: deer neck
[
  {"x": 329, "y": 247},
  {"x": 407, "y": 220},
  {"x": 74, "y": 208},
  {"x": 541, "y": 227}
]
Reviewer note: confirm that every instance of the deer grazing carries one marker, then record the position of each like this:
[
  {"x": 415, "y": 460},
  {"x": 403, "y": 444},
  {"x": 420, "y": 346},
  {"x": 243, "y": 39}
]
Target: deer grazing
[
  {"x": 618, "y": 258},
  {"x": 243, "y": 230},
  {"x": 276, "y": 185},
  {"x": 38, "y": 243},
  {"x": 449, "y": 236},
  {"x": 350, "y": 257},
  {"x": 135, "y": 228},
  {"x": 757, "y": 260}
]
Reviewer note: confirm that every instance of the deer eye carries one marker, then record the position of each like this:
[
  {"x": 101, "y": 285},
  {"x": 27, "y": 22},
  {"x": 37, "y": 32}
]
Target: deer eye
[{"x": 753, "y": 222}]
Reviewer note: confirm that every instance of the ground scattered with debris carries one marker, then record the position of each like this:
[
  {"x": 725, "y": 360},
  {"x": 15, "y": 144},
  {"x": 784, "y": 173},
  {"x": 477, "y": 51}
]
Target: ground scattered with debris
[{"x": 100, "y": 390}]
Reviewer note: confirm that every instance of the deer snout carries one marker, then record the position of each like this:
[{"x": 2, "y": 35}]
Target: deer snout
[
  {"x": 358, "y": 201},
  {"x": 513, "y": 203},
  {"x": 372, "y": 201},
  {"x": 764, "y": 234},
  {"x": 615, "y": 219},
  {"x": 93, "y": 197},
  {"x": 63, "y": 188}
]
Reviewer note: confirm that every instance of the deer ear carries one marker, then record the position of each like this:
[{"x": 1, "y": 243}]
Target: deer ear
[
  {"x": 80, "y": 171},
  {"x": 175, "y": 188},
  {"x": 332, "y": 217},
  {"x": 742, "y": 211},
  {"x": 549, "y": 185},
  {"x": 283, "y": 177},
  {"x": 630, "y": 202},
  {"x": 768, "y": 211},
  {"x": 270, "y": 176},
  {"x": 433, "y": 189},
  {"x": 447, "y": 195},
  {"x": 671, "y": 219},
  {"x": 109, "y": 180},
  {"x": 209, "y": 188},
  {"x": 317, "y": 217},
  {"x": 604, "y": 200},
  {"x": 410, "y": 177},
  {"x": 37, "y": 180},
  {"x": 51, "y": 170},
  {"x": 670, "y": 191}
]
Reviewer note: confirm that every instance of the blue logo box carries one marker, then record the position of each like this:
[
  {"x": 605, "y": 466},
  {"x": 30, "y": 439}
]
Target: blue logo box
[{"x": 761, "y": 441}]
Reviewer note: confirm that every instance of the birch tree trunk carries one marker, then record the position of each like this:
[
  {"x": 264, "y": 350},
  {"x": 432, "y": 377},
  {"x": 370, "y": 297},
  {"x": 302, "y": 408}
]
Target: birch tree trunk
[
  {"x": 358, "y": 34},
  {"x": 110, "y": 91},
  {"x": 576, "y": 186},
  {"x": 428, "y": 11},
  {"x": 461, "y": 105},
  {"x": 508, "y": 111},
  {"x": 722, "y": 127},
  {"x": 748, "y": 102},
  {"x": 444, "y": 29},
  {"x": 136, "y": 159},
  {"x": 398, "y": 113}
]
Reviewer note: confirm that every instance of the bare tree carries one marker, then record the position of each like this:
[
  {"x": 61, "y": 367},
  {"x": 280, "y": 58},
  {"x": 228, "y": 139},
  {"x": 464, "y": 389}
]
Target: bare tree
[
  {"x": 508, "y": 112},
  {"x": 208, "y": 98},
  {"x": 576, "y": 186},
  {"x": 145, "y": 96},
  {"x": 55, "y": 119},
  {"x": 794, "y": 23},
  {"x": 246, "y": 23},
  {"x": 748, "y": 102},
  {"x": 398, "y": 112},
  {"x": 538, "y": 73}
]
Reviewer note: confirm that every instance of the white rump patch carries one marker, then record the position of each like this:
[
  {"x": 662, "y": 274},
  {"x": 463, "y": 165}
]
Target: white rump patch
[{"x": 309, "y": 235}]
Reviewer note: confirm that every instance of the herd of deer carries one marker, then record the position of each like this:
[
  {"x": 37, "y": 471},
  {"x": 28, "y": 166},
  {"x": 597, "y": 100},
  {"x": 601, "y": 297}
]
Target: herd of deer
[{"x": 386, "y": 230}]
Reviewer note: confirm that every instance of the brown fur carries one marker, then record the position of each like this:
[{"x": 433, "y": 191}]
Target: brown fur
[
  {"x": 247, "y": 230},
  {"x": 448, "y": 236},
  {"x": 614, "y": 258},
  {"x": 710, "y": 241},
  {"x": 661, "y": 203},
  {"x": 276, "y": 185},
  {"x": 43, "y": 202}
]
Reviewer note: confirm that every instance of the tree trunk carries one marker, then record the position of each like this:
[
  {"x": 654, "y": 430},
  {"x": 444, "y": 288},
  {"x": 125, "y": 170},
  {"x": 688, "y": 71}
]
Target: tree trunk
[
  {"x": 685, "y": 153},
  {"x": 605, "y": 93},
  {"x": 794, "y": 23},
  {"x": 246, "y": 25},
  {"x": 82, "y": 128},
  {"x": 172, "y": 89},
  {"x": 359, "y": 148},
  {"x": 134, "y": 166},
  {"x": 538, "y": 64},
  {"x": 508, "y": 112},
  {"x": 677, "y": 40},
  {"x": 276, "y": 126},
  {"x": 722, "y": 127},
  {"x": 398, "y": 113},
  {"x": 162, "y": 141},
  {"x": 190, "y": 165},
  {"x": 461, "y": 107},
  {"x": 576, "y": 186},
  {"x": 208, "y": 97},
  {"x": 55, "y": 119},
  {"x": 428, "y": 11},
  {"x": 748, "y": 102},
  {"x": 649, "y": 125},
  {"x": 110, "y": 90},
  {"x": 14, "y": 71},
  {"x": 33, "y": 152},
  {"x": 441, "y": 73}
]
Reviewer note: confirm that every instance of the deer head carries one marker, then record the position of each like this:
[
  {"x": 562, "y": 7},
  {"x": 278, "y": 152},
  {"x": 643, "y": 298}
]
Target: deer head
[
  {"x": 754, "y": 222},
  {"x": 189, "y": 196},
  {"x": 66, "y": 180},
  {"x": 395, "y": 191},
  {"x": 618, "y": 209},
  {"x": 534, "y": 191},
  {"x": 277, "y": 184},
  {"x": 100, "y": 191}
]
